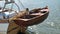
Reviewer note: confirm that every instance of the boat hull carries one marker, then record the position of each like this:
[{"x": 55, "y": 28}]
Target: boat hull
[
  {"x": 38, "y": 19},
  {"x": 31, "y": 22}
]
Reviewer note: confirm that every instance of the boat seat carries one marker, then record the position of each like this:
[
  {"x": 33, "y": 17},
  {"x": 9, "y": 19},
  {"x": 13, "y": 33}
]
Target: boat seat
[
  {"x": 34, "y": 12},
  {"x": 4, "y": 21},
  {"x": 43, "y": 11},
  {"x": 25, "y": 19},
  {"x": 38, "y": 14},
  {"x": 28, "y": 16}
]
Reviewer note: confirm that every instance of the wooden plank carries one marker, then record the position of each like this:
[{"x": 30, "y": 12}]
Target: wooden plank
[
  {"x": 13, "y": 28},
  {"x": 4, "y": 21}
]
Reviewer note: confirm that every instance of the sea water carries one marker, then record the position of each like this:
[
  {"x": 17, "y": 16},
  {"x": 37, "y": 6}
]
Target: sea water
[{"x": 51, "y": 25}]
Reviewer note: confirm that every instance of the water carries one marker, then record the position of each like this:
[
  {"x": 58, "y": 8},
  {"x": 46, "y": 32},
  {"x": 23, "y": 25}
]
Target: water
[{"x": 51, "y": 25}]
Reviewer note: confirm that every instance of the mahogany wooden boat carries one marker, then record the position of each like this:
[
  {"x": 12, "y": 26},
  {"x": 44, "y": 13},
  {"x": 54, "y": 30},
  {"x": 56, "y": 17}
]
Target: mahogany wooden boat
[
  {"x": 35, "y": 16},
  {"x": 22, "y": 20}
]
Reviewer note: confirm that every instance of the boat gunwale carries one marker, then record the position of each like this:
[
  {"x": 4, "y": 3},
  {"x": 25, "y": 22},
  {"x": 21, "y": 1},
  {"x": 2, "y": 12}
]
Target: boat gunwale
[{"x": 33, "y": 17}]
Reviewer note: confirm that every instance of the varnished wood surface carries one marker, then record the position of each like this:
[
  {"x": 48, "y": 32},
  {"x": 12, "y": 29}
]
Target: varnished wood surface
[
  {"x": 13, "y": 28},
  {"x": 4, "y": 21}
]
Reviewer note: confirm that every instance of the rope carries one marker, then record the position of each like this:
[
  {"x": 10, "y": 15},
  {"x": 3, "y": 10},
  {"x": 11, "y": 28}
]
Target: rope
[
  {"x": 17, "y": 6},
  {"x": 3, "y": 12},
  {"x": 22, "y": 4},
  {"x": 12, "y": 6},
  {"x": 10, "y": 10}
]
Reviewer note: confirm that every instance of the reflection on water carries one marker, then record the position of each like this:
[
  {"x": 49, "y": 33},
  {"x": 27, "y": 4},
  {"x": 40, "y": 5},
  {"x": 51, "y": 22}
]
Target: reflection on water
[{"x": 52, "y": 24}]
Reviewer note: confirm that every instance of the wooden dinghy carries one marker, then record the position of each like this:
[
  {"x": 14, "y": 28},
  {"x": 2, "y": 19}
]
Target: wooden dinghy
[
  {"x": 21, "y": 23},
  {"x": 35, "y": 16},
  {"x": 22, "y": 20}
]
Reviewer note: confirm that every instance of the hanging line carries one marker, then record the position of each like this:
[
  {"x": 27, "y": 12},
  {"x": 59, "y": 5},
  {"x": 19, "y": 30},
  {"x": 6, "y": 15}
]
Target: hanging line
[
  {"x": 2, "y": 10},
  {"x": 12, "y": 8},
  {"x": 17, "y": 6},
  {"x": 22, "y": 4}
]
